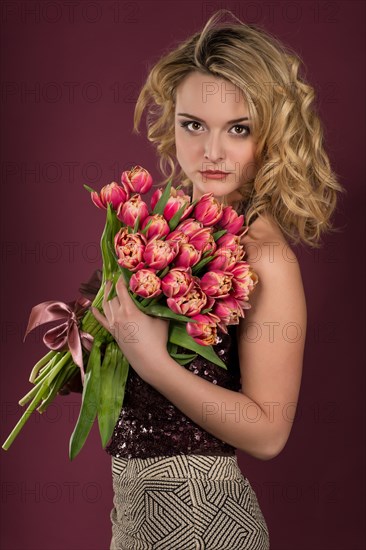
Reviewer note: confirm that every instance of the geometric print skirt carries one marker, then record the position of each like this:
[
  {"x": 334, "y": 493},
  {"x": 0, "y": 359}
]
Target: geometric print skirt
[{"x": 184, "y": 502}]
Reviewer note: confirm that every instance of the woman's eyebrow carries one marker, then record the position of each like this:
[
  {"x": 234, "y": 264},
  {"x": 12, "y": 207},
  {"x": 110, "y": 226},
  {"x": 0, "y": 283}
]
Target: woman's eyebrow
[{"x": 201, "y": 120}]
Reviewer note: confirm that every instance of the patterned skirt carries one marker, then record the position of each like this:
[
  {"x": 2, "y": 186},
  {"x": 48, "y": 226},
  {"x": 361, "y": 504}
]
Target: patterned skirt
[{"x": 184, "y": 502}]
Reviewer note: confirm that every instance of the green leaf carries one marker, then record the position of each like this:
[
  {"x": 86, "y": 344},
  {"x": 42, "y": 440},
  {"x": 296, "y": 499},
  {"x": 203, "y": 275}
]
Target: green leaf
[
  {"x": 178, "y": 335},
  {"x": 112, "y": 226},
  {"x": 172, "y": 348},
  {"x": 161, "y": 204},
  {"x": 201, "y": 264},
  {"x": 159, "y": 310},
  {"x": 90, "y": 189},
  {"x": 90, "y": 401},
  {"x": 143, "y": 231},
  {"x": 126, "y": 273},
  {"x": 137, "y": 223},
  {"x": 146, "y": 301},
  {"x": 219, "y": 234},
  {"x": 113, "y": 378},
  {"x": 182, "y": 358},
  {"x": 163, "y": 272},
  {"x": 174, "y": 221},
  {"x": 184, "y": 355}
]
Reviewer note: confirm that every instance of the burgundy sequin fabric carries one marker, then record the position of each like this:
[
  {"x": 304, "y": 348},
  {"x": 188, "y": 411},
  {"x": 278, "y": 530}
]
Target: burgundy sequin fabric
[{"x": 149, "y": 425}]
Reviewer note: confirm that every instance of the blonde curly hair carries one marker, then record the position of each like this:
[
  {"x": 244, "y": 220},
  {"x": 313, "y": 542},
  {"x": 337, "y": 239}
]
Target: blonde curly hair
[{"x": 294, "y": 181}]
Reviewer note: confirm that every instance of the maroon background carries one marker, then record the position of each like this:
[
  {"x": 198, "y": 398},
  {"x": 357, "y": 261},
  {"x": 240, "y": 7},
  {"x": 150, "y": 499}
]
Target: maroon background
[{"x": 312, "y": 494}]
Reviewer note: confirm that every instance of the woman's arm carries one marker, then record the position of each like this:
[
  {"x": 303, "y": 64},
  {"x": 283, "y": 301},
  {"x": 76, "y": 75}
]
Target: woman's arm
[
  {"x": 270, "y": 345},
  {"x": 226, "y": 414},
  {"x": 271, "y": 338}
]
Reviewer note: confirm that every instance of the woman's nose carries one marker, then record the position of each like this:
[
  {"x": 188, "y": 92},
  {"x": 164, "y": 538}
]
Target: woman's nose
[{"x": 214, "y": 150}]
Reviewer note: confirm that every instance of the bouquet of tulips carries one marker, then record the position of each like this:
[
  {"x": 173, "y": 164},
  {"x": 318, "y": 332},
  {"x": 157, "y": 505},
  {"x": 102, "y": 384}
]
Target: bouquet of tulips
[{"x": 182, "y": 261}]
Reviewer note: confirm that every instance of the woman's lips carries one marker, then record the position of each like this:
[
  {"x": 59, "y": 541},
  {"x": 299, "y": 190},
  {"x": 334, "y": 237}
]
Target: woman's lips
[{"x": 215, "y": 175}]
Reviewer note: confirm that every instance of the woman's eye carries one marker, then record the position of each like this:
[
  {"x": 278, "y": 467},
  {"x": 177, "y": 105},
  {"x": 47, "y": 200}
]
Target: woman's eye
[
  {"x": 245, "y": 133},
  {"x": 186, "y": 123},
  {"x": 245, "y": 130}
]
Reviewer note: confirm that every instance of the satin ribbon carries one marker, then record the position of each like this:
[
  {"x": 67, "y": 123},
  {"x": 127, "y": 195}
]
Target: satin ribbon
[
  {"x": 91, "y": 288},
  {"x": 66, "y": 335}
]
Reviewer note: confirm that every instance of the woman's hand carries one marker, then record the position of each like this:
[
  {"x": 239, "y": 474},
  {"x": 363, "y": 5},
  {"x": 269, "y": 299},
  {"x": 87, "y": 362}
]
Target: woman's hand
[{"x": 140, "y": 336}]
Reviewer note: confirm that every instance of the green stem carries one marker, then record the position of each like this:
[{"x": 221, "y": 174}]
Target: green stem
[
  {"x": 45, "y": 371},
  {"x": 54, "y": 372},
  {"x": 89, "y": 323},
  {"x": 42, "y": 362},
  {"x": 30, "y": 394},
  {"x": 42, "y": 377},
  {"x": 59, "y": 381},
  {"x": 41, "y": 391}
]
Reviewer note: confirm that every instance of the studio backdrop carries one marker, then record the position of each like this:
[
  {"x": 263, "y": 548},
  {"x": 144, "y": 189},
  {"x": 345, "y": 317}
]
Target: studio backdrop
[{"x": 70, "y": 76}]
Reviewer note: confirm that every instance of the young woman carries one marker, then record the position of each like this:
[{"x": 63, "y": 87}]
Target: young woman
[{"x": 229, "y": 99}]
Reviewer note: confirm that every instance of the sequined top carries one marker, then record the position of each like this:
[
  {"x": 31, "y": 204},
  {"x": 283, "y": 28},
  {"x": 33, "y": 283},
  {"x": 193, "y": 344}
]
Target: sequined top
[{"x": 150, "y": 425}]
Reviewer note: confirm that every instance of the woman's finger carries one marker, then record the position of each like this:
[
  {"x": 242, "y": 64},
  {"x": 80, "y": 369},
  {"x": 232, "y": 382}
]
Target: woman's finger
[
  {"x": 121, "y": 289},
  {"x": 107, "y": 288},
  {"x": 124, "y": 295},
  {"x": 100, "y": 318}
]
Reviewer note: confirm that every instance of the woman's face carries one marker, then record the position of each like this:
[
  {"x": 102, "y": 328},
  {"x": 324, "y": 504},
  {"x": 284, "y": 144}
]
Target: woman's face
[{"x": 214, "y": 133}]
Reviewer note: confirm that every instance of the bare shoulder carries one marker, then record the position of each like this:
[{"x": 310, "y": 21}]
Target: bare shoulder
[
  {"x": 270, "y": 255},
  {"x": 279, "y": 276},
  {"x": 265, "y": 235},
  {"x": 271, "y": 337}
]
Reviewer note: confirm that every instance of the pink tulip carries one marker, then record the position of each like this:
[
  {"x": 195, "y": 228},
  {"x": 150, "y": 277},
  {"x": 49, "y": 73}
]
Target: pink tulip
[
  {"x": 244, "y": 281},
  {"x": 175, "y": 202},
  {"x": 203, "y": 240},
  {"x": 155, "y": 197},
  {"x": 177, "y": 282},
  {"x": 145, "y": 283},
  {"x": 211, "y": 246},
  {"x": 229, "y": 240},
  {"x": 189, "y": 226},
  {"x": 178, "y": 237},
  {"x": 230, "y": 220},
  {"x": 128, "y": 212},
  {"x": 223, "y": 260},
  {"x": 130, "y": 249},
  {"x": 158, "y": 253},
  {"x": 208, "y": 210},
  {"x": 113, "y": 193},
  {"x": 232, "y": 242},
  {"x": 205, "y": 331},
  {"x": 137, "y": 180},
  {"x": 216, "y": 283},
  {"x": 158, "y": 228},
  {"x": 228, "y": 310},
  {"x": 192, "y": 302},
  {"x": 187, "y": 256}
]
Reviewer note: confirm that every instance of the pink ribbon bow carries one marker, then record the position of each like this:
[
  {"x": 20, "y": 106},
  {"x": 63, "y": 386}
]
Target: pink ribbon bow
[{"x": 66, "y": 335}]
